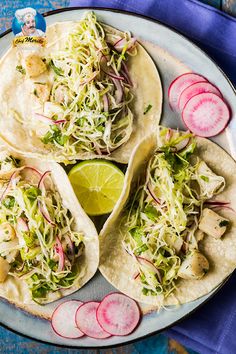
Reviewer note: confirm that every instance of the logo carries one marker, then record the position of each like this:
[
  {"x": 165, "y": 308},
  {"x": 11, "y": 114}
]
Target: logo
[{"x": 29, "y": 27}]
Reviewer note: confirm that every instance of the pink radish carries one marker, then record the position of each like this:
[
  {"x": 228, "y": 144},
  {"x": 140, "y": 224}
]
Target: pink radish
[
  {"x": 195, "y": 89},
  {"x": 179, "y": 84},
  {"x": 118, "y": 314},
  {"x": 86, "y": 320},
  {"x": 63, "y": 320},
  {"x": 206, "y": 114}
]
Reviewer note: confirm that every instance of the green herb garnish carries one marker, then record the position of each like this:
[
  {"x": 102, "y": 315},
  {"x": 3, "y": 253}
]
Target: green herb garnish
[
  {"x": 224, "y": 223},
  {"x": 20, "y": 69},
  {"x": 147, "y": 109}
]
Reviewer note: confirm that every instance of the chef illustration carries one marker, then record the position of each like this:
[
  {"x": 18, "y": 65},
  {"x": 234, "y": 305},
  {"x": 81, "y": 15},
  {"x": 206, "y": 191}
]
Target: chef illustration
[{"x": 26, "y": 17}]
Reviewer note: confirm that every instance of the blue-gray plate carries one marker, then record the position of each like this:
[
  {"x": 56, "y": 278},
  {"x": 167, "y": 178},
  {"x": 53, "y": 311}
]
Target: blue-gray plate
[{"x": 173, "y": 55}]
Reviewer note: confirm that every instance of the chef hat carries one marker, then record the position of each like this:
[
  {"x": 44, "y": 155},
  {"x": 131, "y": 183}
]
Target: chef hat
[{"x": 23, "y": 15}]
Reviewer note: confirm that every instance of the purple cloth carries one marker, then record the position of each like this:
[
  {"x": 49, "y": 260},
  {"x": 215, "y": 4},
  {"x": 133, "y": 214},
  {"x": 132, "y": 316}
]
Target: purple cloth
[
  {"x": 212, "y": 328},
  {"x": 213, "y": 30}
]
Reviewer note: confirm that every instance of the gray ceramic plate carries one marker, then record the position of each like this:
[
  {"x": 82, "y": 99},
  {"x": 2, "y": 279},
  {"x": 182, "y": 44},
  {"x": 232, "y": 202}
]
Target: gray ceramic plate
[{"x": 173, "y": 55}]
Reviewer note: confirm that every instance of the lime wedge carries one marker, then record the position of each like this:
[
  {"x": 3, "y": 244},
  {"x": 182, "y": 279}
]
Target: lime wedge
[{"x": 97, "y": 185}]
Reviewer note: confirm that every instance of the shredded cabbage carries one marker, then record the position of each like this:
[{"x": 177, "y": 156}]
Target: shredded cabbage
[
  {"x": 162, "y": 216},
  {"x": 91, "y": 92},
  {"x": 34, "y": 223}
]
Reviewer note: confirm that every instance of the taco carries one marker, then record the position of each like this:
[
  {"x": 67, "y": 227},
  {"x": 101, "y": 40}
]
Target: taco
[
  {"x": 171, "y": 238},
  {"x": 92, "y": 91},
  {"x": 48, "y": 245}
]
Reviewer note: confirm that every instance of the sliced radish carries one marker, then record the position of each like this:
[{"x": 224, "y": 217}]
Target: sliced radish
[
  {"x": 86, "y": 320},
  {"x": 206, "y": 114},
  {"x": 179, "y": 84},
  {"x": 118, "y": 314},
  {"x": 63, "y": 320},
  {"x": 195, "y": 89}
]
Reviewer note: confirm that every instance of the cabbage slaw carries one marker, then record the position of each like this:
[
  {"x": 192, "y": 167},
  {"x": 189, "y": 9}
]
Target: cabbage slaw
[
  {"x": 90, "y": 98},
  {"x": 161, "y": 218},
  {"x": 37, "y": 236}
]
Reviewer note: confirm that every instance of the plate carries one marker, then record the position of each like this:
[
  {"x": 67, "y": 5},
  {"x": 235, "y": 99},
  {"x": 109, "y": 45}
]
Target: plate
[{"x": 174, "y": 55}]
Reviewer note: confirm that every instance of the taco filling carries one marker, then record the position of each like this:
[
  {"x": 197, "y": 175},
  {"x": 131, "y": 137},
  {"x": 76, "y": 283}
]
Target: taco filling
[
  {"x": 168, "y": 231},
  {"x": 165, "y": 216},
  {"x": 83, "y": 95},
  {"x": 38, "y": 240}
]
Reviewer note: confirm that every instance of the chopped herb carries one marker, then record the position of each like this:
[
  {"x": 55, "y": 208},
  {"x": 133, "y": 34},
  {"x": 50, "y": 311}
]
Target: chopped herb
[
  {"x": 147, "y": 109},
  {"x": 20, "y": 69},
  {"x": 56, "y": 70},
  {"x": 39, "y": 83},
  {"x": 141, "y": 249},
  {"x": 224, "y": 223},
  {"x": 35, "y": 93},
  {"x": 151, "y": 212},
  {"x": 204, "y": 178},
  {"x": 9, "y": 202},
  {"x": 55, "y": 135},
  {"x": 137, "y": 234}
]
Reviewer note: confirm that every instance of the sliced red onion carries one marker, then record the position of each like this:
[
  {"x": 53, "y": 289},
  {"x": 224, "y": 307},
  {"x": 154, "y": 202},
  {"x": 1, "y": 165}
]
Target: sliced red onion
[
  {"x": 182, "y": 144},
  {"x": 119, "y": 90},
  {"x": 119, "y": 45},
  {"x": 42, "y": 117},
  {"x": 22, "y": 225},
  {"x": 127, "y": 75},
  {"x": 169, "y": 134},
  {"x": 41, "y": 181},
  {"x": 216, "y": 202},
  {"x": 33, "y": 169},
  {"x": 117, "y": 42},
  {"x": 152, "y": 194},
  {"x": 45, "y": 213},
  {"x": 8, "y": 185},
  {"x": 105, "y": 103},
  {"x": 223, "y": 207},
  {"x": 135, "y": 275},
  {"x": 49, "y": 120},
  {"x": 113, "y": 75},
  {"x": 146, "y": 262},
  {"x": 59, "y": 251},
  {"x": 60, "y": 121}
]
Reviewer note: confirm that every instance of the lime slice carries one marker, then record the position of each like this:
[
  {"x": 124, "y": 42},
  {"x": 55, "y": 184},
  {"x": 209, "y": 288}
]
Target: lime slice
[{"x": 97, "y": 185}]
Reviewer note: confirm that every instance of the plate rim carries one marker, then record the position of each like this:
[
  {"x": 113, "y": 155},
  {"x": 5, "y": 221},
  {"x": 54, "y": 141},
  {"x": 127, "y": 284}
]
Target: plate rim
[{"x": 219, "y": 287}]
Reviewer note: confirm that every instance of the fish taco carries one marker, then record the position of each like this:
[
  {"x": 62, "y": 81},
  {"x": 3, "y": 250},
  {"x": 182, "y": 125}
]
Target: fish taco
[
  {"x": 92, "y": 91},
  {"x": 172, "y": 237},
  {"x": 48, "y": 245}
]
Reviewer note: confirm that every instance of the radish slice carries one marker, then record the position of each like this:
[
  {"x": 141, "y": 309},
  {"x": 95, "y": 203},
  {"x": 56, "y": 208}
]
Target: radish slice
[
  {"x": 179, "y": 84},
  {"x": 118, "y": 314},
  {"x": 86, "y": 320},
  {"x": 63, "y": 320},
  {"x": 206, "y": 114},
  {"x": 195, "y": 89}
]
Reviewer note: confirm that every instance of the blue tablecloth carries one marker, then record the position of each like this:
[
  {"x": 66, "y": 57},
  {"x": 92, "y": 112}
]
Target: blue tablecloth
[{"x": 212, "y": 328}]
